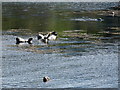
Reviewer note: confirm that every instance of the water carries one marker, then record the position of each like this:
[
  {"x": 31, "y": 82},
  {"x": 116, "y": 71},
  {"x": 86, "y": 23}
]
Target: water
[{"x": 85, "y": 54}]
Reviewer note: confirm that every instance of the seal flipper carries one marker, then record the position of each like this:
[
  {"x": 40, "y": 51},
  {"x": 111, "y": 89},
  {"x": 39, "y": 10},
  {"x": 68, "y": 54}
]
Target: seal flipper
[
  {"x": 30, "y": 40},
  {"x": 40, "y": 36},
  {"x": 17, "y": 41}
]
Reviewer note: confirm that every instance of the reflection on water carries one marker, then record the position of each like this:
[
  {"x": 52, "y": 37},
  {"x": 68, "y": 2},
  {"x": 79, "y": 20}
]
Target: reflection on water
[
  {"x": 84, "y": 54},
  {"x": 53, "y": 16},
  {"x": 87, "y": 19}
]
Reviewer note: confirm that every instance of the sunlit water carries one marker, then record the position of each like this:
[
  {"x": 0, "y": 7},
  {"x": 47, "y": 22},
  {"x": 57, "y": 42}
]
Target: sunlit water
[{"x": 85, "y": 54}]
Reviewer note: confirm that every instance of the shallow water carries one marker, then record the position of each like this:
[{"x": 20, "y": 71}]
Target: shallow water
[{"x": 85, "y": 54}]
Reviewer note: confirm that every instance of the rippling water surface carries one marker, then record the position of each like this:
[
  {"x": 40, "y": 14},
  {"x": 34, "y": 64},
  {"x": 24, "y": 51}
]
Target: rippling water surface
[{"x": 84, "y": 55}]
